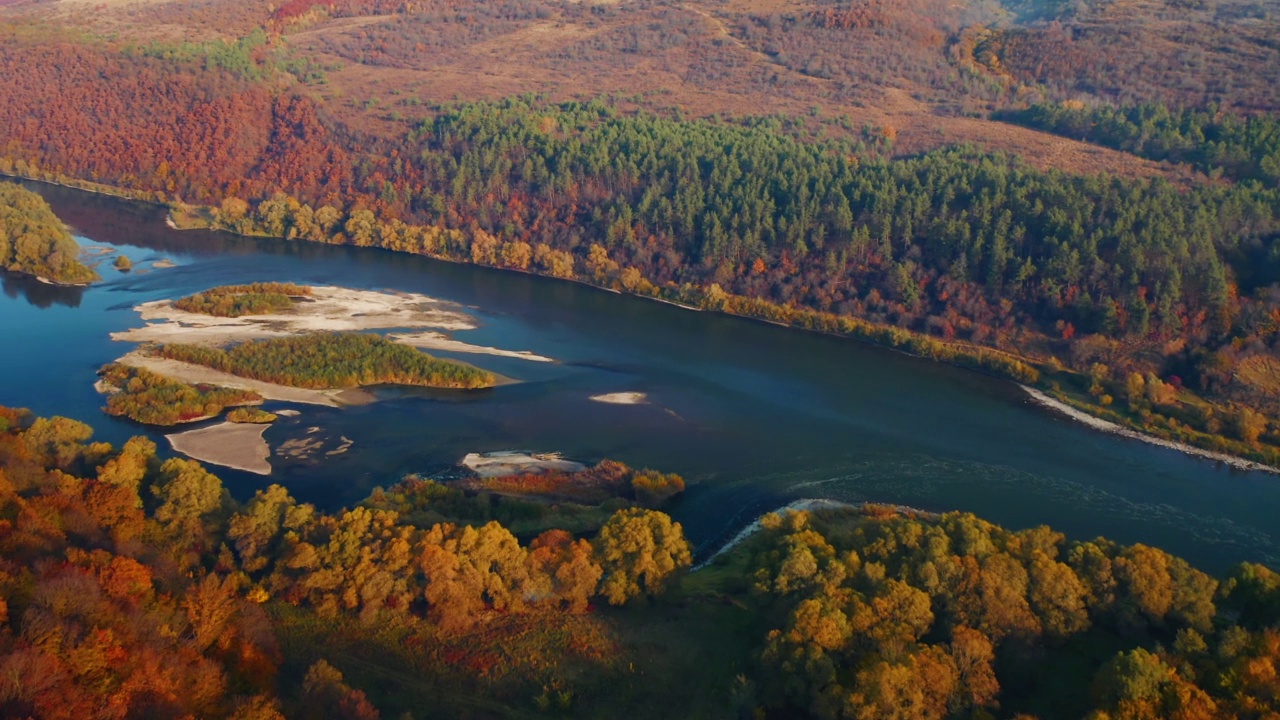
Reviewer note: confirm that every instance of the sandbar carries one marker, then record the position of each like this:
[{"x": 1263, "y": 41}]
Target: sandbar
[
  {"x": 198, "y": 374},
  {"x": 1097, "y": 423},
  {"x": 239, "y": 446},
  {"x": 514, "y": 462},
  {"x": 622, "y": 398},
  {"x": 327, "y": 309},
  {"x": 438, "y": 341}
]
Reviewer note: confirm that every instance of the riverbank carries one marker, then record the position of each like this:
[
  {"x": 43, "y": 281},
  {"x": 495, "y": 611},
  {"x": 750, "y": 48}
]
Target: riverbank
[
  {"x": 1040, "y": 398},
  {"x": 239, "y": 446}
]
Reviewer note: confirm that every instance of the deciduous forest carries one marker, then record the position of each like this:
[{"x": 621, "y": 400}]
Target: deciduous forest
[{"x": 133, "y": 587}]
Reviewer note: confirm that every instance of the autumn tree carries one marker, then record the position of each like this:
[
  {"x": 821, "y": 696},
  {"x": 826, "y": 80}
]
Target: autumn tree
[{"x": 639, "y": 550}]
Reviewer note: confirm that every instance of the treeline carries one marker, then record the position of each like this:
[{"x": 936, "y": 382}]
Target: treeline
[
  {"x": 330, "y": 360},
  {"x": 237, "y": 300},
  {"x": 34, "y": 242},
  {"x": 132, "y": 587},
  {"x": 153, "y": 399},
  {"x": 1242, "y": 148},
  {"x": 956, "y": 617}
]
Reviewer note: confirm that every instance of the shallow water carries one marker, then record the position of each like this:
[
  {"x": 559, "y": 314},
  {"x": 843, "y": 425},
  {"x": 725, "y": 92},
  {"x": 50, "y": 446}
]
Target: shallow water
[{"x": 753, "y": 415}]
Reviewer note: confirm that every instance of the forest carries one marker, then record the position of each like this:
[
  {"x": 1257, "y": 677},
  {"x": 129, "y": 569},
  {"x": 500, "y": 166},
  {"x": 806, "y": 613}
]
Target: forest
[
  {"x": 34, "y": 242},
  {"x": 134, "y": 586},
  {"x": 330, "y": 360},
  {"x": 1241, "y": 148}
]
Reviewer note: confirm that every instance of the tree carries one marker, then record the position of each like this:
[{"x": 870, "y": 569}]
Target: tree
[
  {"x": 1249, "y": 424},
  {"x": 639, "y": 550},
  {"x": 325, "y": 694},
  {"x": 186, "y": 499},
  {"x": 128, "y": 469}
]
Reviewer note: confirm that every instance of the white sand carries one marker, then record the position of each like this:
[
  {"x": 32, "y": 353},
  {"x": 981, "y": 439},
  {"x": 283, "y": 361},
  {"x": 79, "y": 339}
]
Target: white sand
[
  {"x": 329, "y": 309},
  {"x": 1096, "y": 423},
  {"x": 438, "y": 341},
  {"x": 288, "y": 413},
  {"x": 514, "y": 462},
  {"x": 622, "y": 398},
  {"x": 198, "y": 374},
  {"x": 234, "y": 445}
]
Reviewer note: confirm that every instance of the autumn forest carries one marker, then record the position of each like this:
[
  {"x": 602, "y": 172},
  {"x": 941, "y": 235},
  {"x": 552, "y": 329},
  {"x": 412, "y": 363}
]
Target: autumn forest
[{"x": 1079, "y": 196}]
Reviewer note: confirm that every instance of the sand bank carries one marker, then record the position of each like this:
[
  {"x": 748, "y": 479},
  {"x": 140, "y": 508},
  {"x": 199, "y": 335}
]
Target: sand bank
[
  {"x": 1096, "y": 423},
  {"x": 328, "y": 309},
  {"x": 235, "y": 445},
  {"x": 198, "y": 374},
  {"x": 622, "y": 398},
  {"x": 514, "y": 462},
  {"x": 437, "y": 341}
]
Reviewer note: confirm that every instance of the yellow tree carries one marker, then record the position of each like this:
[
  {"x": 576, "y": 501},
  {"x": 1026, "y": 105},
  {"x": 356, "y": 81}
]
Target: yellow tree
[{"x": 639, "y": 550}]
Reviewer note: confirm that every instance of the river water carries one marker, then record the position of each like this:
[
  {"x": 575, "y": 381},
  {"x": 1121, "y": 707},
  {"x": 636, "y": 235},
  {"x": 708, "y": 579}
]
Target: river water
[{"x": 753, "y": 415}]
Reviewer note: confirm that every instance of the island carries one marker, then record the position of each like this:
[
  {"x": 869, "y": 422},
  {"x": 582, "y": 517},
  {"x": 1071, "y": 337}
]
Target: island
[
  {"x": 237, "y": 346},
  {"x": 34, "y": 242}
]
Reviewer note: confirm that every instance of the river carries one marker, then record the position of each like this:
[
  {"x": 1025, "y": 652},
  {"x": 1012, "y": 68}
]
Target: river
[{"x": 753, "y": 415}]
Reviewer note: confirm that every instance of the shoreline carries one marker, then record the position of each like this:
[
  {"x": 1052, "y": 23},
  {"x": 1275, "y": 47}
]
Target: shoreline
[{"x": 1038, "y": 397}]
